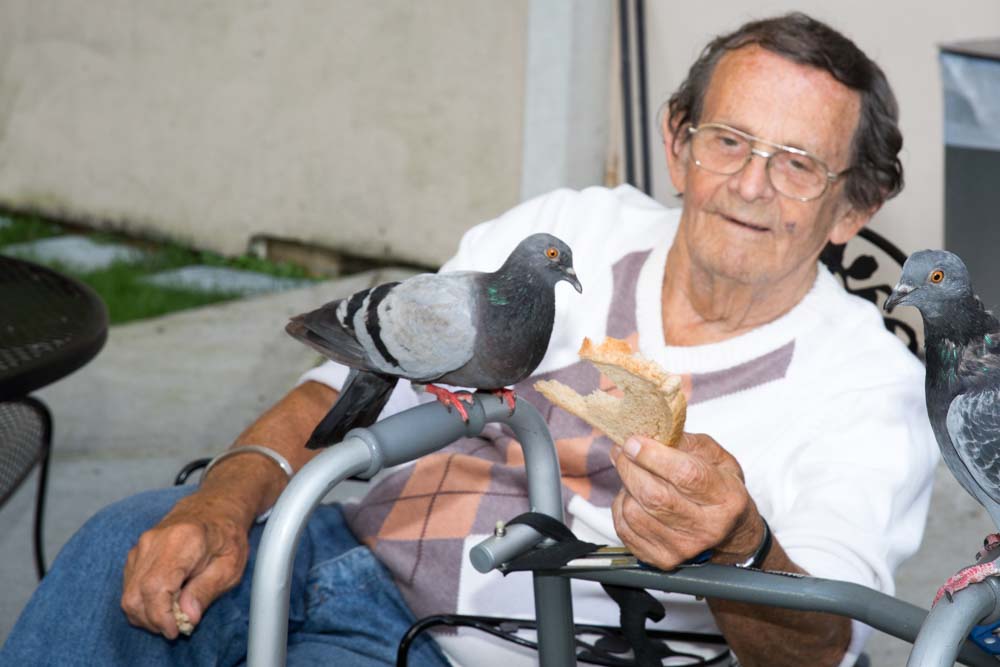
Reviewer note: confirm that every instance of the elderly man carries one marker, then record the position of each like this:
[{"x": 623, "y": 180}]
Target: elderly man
[{"x": 783, "y": 138}]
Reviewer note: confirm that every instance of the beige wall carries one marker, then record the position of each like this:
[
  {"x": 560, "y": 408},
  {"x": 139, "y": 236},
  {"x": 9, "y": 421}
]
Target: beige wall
[
  {"x": 381, "y": 128},
  {"x": 901, "y": 36},
  {"x": 374, "y": 127}
]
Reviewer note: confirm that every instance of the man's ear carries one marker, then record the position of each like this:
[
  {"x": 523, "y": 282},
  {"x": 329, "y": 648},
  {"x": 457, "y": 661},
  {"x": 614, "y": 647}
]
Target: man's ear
[
  {"x": 677, "y": 162},
  {"x": 849, "y": 222}
]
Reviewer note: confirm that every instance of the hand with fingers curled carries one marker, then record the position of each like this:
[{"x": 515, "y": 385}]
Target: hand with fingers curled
[
  {"x": 677, "y": 502},
  {"x": 180, "y": 566}
]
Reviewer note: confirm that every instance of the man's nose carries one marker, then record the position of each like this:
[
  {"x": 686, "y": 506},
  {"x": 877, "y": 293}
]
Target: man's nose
[{"x": 752, "y": 182}]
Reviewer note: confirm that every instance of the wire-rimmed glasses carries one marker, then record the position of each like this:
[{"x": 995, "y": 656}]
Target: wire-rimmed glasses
[{"x": 793, "y": 172}]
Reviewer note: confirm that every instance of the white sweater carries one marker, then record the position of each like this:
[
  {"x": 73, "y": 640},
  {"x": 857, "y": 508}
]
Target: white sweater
[{"x": 823, "y": 408}]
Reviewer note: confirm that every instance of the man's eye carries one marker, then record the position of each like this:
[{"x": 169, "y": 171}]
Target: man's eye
[{"x": 800, "y": 165}]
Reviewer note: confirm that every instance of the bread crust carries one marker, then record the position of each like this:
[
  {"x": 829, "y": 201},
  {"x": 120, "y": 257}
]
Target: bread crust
[{"x": 652, "y": 403}]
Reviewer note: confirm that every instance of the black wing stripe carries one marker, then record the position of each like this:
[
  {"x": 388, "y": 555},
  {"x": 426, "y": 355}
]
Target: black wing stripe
[
  {"x": 372, "y": 324},
  {"x": 353, "y": 306}
]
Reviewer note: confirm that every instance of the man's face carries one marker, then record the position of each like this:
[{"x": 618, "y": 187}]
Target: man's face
[{"x": 738, "y": 226}]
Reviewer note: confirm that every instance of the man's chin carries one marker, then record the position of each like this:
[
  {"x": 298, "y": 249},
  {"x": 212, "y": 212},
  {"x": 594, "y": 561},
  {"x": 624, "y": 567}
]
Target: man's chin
[{"x": 737, "y": 267}]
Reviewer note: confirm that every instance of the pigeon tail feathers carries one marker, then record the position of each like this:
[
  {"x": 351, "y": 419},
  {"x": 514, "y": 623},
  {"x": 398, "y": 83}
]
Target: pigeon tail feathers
[
  {"x": 330, "y": 340},
  {"x": 359, "y": 405}
]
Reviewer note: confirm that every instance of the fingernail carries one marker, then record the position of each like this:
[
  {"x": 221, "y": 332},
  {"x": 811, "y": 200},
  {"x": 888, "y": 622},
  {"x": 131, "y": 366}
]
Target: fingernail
[
  {"x": 632, "y": 448},
  {"x": 615, "y": 452}
]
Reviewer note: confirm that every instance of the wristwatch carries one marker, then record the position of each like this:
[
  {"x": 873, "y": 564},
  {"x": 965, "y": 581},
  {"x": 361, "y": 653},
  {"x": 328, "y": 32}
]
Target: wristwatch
[{"x": 758, "y": 557}]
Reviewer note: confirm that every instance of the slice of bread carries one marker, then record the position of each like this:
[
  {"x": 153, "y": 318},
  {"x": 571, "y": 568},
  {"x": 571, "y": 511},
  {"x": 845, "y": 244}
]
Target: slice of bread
[{"x": 652, "y": 404}]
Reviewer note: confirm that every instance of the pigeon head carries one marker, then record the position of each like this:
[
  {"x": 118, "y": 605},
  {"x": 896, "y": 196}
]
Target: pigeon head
[
  {"x": 546, "y": 256},
  {"x": 935, "y": 282}
]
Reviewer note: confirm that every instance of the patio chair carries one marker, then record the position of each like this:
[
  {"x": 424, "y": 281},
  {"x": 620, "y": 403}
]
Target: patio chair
[
  {"x": 50, "y": 325},
  {"x": 863, "y": 266},
  {"x": 25, "y": 441}
]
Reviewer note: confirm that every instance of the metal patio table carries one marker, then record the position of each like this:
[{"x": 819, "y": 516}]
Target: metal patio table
[{"x": 50, "y": 325}]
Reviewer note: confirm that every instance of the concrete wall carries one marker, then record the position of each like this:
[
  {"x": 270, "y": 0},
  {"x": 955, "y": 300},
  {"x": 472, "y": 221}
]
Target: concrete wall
[
  {"x": 374, "y": 127},
  {"x": 568, "y": 98},
  {"x": 384, "y": 128},
  {"x": 901, "y": 36}
]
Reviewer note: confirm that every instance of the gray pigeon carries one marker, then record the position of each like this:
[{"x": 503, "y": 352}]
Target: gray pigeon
[
  {"x": 962, "y": 343},
  {"x": 465, "y": 328}
]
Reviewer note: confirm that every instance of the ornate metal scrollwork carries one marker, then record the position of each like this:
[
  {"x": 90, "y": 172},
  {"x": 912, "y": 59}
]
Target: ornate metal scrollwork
[{"x": 862, "y": 268}]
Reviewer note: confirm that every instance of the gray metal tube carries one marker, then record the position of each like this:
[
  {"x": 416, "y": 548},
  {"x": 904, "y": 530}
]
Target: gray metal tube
[
  {"x": 540, "y": 458},
  {"x": 497, "y": 550},
  {"x": 554, "y": 615},
  {"x": 949, "y": 623},
  {"x": 553, "y": 602},
  {"x": 400, "y": 438},
  {"x": 272, "y": 574},
  {"x": 544, "y": 488},
  {"x": 882, "y": 612}
]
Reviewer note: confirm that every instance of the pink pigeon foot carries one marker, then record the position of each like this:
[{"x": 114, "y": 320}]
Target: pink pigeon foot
[
  {"x": 966, "y": 577},
  {"x": 508, "y": 396},
  {"x": 452, "y": 399},
  {"x": 991, "y": 542}
]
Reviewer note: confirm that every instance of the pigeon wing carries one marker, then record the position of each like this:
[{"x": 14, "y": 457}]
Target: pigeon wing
[
  {"x": 425, "y": 326},
  {"x": 324, "y": 330},
  {"x": 974, "y": 427}
]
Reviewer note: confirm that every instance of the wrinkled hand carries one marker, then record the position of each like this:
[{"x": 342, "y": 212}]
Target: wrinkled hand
[
  {"x": 198, "y": 551},
  {"x": 676, "y": 502}
]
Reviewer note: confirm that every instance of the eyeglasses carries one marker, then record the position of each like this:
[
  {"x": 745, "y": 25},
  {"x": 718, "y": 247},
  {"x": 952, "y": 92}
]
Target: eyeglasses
[{"x": 793, "y": 172}]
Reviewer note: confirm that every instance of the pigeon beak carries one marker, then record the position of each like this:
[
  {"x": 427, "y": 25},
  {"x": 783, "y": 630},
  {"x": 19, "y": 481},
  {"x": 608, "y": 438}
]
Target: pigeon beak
[
  {"x": 571, "y": 278},
  {"x": 897, "y": 297}
]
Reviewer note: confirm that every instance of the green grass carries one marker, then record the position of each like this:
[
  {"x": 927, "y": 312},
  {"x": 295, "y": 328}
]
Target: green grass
[
  {"x": 128, "y": 299},
  {"x": 26, "y": 228}
]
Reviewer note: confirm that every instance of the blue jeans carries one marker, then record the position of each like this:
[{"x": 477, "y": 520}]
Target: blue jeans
[{"x": 344, "y": 607}]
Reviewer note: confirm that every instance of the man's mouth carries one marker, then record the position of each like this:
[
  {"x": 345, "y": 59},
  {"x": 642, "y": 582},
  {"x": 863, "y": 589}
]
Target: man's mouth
[{"x": 747, "y": 225}]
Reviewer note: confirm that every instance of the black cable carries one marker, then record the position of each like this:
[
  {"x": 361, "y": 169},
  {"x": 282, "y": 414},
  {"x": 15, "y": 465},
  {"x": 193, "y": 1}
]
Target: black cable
[
  {"x": 626, "y": 79},
  {"x": 640, "y": 57},
  {"x": 453, "y": 621},
  {"x": 495, "y": 627}
]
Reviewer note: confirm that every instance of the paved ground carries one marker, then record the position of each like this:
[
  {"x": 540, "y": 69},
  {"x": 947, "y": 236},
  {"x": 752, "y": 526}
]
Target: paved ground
[{"x": 168, "y": 390}]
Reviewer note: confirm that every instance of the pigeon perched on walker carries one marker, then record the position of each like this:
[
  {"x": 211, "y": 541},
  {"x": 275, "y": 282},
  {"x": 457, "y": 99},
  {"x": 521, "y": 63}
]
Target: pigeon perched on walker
[
  {"x": 465, "y": 328},
  {"x": 962, "y": 342}
]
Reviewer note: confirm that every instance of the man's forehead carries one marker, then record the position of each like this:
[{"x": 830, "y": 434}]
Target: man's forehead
[{"x": 775, "y": 98}]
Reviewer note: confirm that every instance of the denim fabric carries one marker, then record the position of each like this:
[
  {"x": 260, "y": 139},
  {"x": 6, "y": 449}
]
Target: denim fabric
[{"x": 344, "y": 607}]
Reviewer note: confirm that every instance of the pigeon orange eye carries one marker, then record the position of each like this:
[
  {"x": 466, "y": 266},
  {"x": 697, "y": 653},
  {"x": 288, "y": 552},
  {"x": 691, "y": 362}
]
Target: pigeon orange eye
[
  {"x": 552, "y": 253},
  {"x": 937, "y": 275}
]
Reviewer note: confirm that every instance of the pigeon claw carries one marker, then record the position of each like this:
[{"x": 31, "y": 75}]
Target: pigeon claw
[
  {"x": 991, "y": 542},
  {"x": 507, "y": 396},
  {"x": 965, "y": 578},
  {"x": 452, "y": 399}
]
